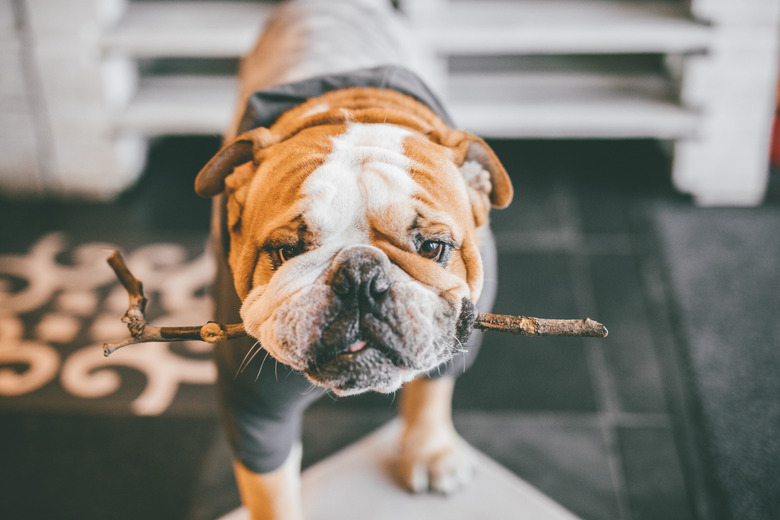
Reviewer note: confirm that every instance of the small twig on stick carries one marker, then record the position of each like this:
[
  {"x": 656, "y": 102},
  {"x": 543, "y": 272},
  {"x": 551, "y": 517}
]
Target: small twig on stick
[
  {"x": 141, "y": 332},
  {"x": 211, "y": 332}
]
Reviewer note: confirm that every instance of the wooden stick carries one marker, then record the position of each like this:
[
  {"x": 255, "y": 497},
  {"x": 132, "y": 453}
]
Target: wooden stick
[
  {"x": 211, "y": 332},
  {"x": 525, "y": 326}
]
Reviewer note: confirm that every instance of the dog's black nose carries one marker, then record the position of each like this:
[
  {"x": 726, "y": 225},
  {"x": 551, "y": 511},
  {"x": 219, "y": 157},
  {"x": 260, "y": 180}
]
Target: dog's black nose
[{"x": 361, "y": 279}]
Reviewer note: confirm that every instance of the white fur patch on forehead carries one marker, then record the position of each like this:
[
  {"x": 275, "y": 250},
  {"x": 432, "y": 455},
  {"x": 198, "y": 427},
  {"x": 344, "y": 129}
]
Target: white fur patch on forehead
[{"x": 365, "y": 172}]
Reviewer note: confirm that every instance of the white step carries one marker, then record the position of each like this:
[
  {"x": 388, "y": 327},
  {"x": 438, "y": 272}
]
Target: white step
[
  {"x": 531, "y": 104},
  {"x": 228, "y": 29},
  {"x": 187, "y": 29},
  {"x": 629, "y": 117},
  {"x": 567, "y": 97},
  {"x": 563, "y": 26},
  {"x": 358, "y": 483}
]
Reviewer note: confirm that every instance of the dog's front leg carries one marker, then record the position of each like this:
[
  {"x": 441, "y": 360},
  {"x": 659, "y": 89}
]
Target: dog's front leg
[
  {"x": 433, "y": 455},
  {"x": 275, "y": 495}
]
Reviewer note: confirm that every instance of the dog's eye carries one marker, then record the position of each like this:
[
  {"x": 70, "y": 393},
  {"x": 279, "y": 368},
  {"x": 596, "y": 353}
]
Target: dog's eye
[
  {"x": 287, "y": 252},
  {"x": 432, "y": 250}
]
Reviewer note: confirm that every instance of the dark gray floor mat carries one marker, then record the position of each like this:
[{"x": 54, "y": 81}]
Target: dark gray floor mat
[{"x": 724, "y": 269}]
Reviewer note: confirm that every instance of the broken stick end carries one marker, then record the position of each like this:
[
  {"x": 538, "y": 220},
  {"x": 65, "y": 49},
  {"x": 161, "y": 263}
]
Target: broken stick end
[
  {"x": 599, "y": 329},
  {"x": 110, "y": 348}
]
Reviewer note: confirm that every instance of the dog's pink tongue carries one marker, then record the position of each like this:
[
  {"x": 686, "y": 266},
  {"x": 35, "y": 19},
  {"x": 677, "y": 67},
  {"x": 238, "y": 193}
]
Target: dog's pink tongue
[{"x": 357, "y": 346}]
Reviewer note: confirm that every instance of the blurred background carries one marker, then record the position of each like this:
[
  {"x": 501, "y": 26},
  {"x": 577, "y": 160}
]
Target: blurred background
[{"x": 638, "y": 135}]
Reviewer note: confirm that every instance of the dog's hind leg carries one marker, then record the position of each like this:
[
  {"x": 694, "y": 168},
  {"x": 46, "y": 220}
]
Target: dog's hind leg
[{"x": 433, "y": 456}]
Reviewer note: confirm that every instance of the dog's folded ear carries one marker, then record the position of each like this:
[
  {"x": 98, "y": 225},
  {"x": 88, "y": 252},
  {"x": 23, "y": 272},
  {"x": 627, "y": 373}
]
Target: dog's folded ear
[
  {"x": 243, "y": 149},
  {"x": 486, "y": 177},
  {"x": 478, "y": 152}
]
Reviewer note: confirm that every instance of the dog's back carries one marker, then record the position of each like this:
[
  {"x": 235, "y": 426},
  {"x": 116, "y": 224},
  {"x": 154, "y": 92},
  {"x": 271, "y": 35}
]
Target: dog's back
[{"x": 307, "y": 38}]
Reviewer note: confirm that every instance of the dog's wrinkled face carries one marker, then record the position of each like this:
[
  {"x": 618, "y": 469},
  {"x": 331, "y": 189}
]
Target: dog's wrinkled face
[
  {"x": 362, "y": 324},
  {"x": 353, "y": 249}
]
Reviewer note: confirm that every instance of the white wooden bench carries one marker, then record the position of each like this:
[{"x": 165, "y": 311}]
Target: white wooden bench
[{"x": 79, "y": 102}]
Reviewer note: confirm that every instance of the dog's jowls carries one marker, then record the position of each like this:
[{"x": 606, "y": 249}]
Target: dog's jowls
[{"x": 353, "y": 225}]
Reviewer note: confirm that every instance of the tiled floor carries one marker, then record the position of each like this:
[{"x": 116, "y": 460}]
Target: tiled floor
[{"x": 597, "y": 424}]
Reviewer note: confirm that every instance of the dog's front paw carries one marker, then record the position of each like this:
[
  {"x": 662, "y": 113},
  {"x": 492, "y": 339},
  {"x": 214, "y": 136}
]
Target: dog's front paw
[{"x": 435, "y": 459}]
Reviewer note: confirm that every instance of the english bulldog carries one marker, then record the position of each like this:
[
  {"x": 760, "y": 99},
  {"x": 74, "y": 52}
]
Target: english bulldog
[{"x": 351, "y": 230}]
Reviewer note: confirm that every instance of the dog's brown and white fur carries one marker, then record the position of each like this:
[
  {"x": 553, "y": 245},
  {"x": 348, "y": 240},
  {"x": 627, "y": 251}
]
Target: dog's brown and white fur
[{"x": 371, "y": 192}]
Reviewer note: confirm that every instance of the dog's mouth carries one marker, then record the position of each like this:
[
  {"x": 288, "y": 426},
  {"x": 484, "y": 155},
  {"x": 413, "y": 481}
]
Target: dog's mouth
[
  {"x": 353, "y": 373},
  {"x": 360, "y": 354}
]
